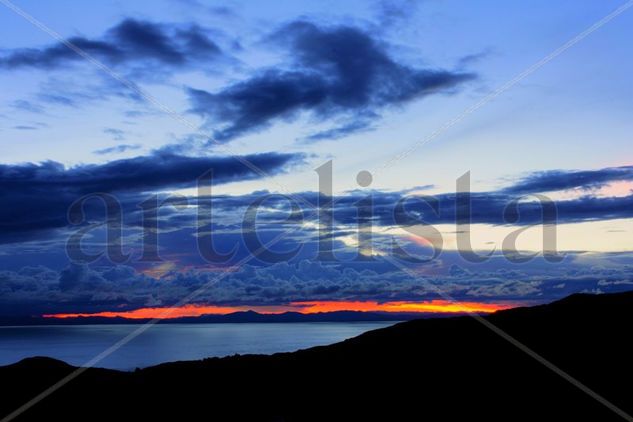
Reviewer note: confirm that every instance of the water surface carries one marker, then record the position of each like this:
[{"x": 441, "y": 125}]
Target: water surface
[{"x": 78, "y": 344}]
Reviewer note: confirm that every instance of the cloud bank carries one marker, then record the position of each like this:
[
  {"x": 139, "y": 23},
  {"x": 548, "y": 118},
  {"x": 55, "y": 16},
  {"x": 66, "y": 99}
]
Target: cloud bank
[{"x": 37, "y": 196}]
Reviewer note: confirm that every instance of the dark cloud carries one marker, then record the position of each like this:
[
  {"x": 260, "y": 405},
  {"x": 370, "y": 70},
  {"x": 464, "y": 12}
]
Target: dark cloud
[
  {"x": 73, "y": 276},
  {"x": 39, "y": 196},
  {"x": 502, "y": 207},
  {"x": 39, "y": 290},
  {"x": 499, "y": 209},
  {"x": 36, "y": 196},
  {"x": 139, "y": 173},
  {"x": 336, "y": 71},
  {"x": 129, "y": 42},
  {"x": 117, "y": 149},
  {"x": 45, "y": 190},
  {"x": 557, "y": 180},
  {"x": 487, "y": 208},
  {"x": 79, "y": 288},
  {"x": 389, "y": 209}
]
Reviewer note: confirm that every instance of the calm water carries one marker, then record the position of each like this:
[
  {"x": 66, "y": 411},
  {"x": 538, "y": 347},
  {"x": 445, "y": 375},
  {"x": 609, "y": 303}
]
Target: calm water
[{"x": 169, "y": 342}]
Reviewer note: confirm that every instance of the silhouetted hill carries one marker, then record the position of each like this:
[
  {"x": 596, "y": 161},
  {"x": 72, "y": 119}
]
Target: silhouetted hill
[
  {"x": 235, "y": 317},
  {"x": 449, "y": 369}
]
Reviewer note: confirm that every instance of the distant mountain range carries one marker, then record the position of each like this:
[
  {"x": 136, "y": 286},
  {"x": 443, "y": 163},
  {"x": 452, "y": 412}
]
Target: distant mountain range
[
  {"x": 235, "y": 317},
  {"x": 571, "y": 360}
]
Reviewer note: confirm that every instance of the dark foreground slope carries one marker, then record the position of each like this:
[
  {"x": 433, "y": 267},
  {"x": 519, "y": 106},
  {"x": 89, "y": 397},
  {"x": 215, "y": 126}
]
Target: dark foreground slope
[{"x": 439, "y": 369}]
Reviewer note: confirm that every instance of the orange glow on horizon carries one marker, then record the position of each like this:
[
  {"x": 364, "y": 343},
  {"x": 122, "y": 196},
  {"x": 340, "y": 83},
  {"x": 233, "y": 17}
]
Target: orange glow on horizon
[
  {"x": 175, "y": 312},
  {"x": 433, "y": 306},
  {"x": 312, "y": 307}
]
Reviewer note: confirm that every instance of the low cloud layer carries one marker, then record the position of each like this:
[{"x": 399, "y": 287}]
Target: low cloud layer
[
  {"x": 102, "y": 286},
  {"x": 40, "y": 290}
]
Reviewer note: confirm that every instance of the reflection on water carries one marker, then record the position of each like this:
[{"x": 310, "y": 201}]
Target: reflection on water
[{"x": 169, "y": 342}]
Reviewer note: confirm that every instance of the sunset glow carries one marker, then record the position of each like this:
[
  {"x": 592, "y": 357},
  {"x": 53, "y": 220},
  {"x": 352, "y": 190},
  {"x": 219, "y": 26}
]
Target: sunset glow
[
  {"x": 175, "y": 312},
  {"x": 433, "y": 306}
]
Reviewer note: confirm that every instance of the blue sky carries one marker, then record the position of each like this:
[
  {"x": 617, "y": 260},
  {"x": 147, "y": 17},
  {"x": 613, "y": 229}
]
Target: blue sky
[{"x": 289, "y": 86}]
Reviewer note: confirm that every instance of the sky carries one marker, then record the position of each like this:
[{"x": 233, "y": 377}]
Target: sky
[{"x": 175, "y": 153}]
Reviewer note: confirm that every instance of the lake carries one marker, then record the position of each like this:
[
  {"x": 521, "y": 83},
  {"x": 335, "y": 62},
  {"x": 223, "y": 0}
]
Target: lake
[{"x": 78, "y": 344}]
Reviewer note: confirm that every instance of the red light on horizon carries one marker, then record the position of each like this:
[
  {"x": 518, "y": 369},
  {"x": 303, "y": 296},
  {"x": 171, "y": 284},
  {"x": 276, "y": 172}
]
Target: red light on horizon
[
  {"x": 310, "y": 307},
  {"x": 432, "y": 306}
]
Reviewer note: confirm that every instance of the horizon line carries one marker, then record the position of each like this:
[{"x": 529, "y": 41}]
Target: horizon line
[{"x": 435, "y": 306}]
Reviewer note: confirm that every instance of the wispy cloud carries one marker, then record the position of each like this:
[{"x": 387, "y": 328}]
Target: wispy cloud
[
  {"x": 118, "y": 149},
  {"x": 557, "y": 180},
  {"x": 25, "y": 105},
  {"x": 358, "y": 124},
  {"x": 117, "y": 134}
]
